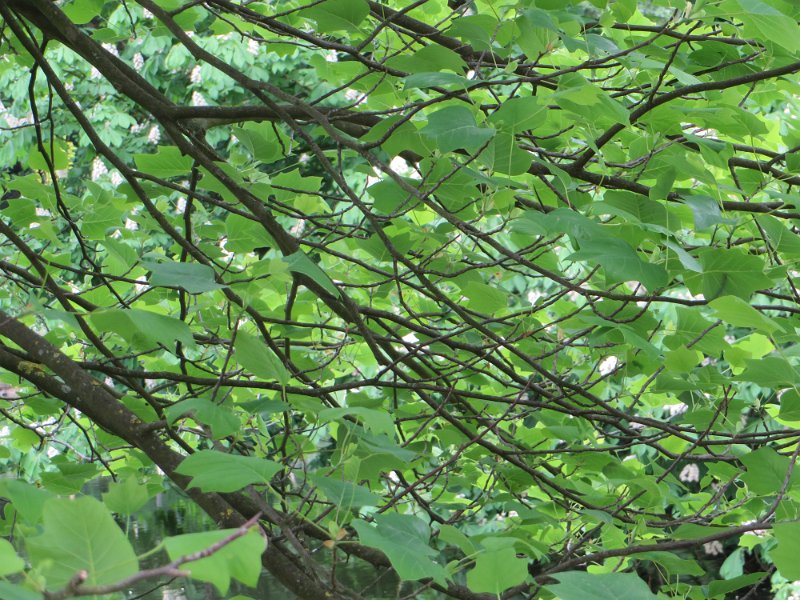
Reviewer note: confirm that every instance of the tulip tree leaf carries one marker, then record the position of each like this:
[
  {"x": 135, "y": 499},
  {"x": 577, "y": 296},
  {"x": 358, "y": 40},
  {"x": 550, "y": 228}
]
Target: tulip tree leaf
[
  {"x": 497, "y": 570},
  {"x": 763, "y": 19},
  {"x": 786, "y": 552},
  {"x": 299, "y": 262},
  {"x": 10, "y": 562},
  {"x": 621, "y": 262},
  {"x": 338, "y": 15},
  {"x": 254, "y": 356},
  {"x": 126, "y": 497},
  {"x": 345, "y": 494},
  {"x": 213, "y": 471},
  {"x": 404, "y": 540},
  {"x": 80, "y": 534},
  {"x": 240, "y": 559},
  {"x": 167, "y": 162},
  {"x": 454, "y": 127},
  {"x": 143, "y": 327},
  {"x": 192, "y": 277},
  {"x": 736, "y": 311},
  {"x": 728, "y": 272},
  {"x": 578, "y": 585},
  {"x": 9, "y": 591}
]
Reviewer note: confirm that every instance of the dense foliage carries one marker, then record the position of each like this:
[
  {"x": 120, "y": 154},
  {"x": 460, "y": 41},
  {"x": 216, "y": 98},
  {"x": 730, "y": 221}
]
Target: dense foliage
[{"x": 497, "y": 296}]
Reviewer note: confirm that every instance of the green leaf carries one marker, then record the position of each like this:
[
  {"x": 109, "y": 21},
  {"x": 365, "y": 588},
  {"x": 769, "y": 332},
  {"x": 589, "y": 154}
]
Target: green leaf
[
  {"x": 70, "y": 478},
  {"x": 538, "y": 32},
  {"x": 780, "y": 237},
  {"x": 262, "y": 141},
  {"x": 621, "y": 262},
  {"x": 728, "y": 272},
  {"x": 477, "y": 30},
  {"x": 27, "y": 499},
  {"x": 454, "y": 128},
  {"x": 192, "y": 277},
  {"x": 254, "y": 356},
  {"x": 682, "y": 360},
  {"x": 720, "y": 589},
  {"x": 564, "y": 220},
  {"x": 31, "y": 187},
  {"x": 769, "y": 24},
  {"x": 143, "y": 328},
  {"x": 429, "y": 59},
  {"x": 453, "y": 536},
  {"x": 299, "y": 262},
  {"x": 388, "y": 196},
  {"x": 766, "y": 471},
  {"x": 344, "y": 494},
  {"x": 102, "y": 217},
  {"x": 57, "y": 155},
  {"x": 122, "y": 256},
  {"x": 504, "y": 156},
  {"x": 634, "y": 208},
  {"x": 790, "y": 406},
  {"x": 624, "y": 9},
  {"x": 338, "y": 15},
  {"x": 739, "y": 313},
  {"x": 769, "y": 372},
  {"x": 673, "y": 564},
  {"x": 244, "y": 235},
  {"x": 83, "y": 11},
  {"x": 787, "y": 549},
  {"x": 213, "y": 471},
  {"x": 519, "y": 114},
  {"x": 167, "y": 162},
  {"x": 734, "y": 565},
  {"x": 126, "y": 497},
  {"x": 378, "y": 421},
  {"x": 404, "y": 540},
  {"x": 240, "y": 559},
  {"x": 9, "y": 591},
  {"x": 530, "y": 223},
  {"x": 706, "y": 211},
  {"x": 434, "y": 79},
  {"x": 590, "y": 101},
  {"x": 80, "y": 534},
  {"x": 383, "y": 444},
  {"x": 497, "y": 570},
  {"x": 24, "y": 439},
  {"x": 222, "y": 422},
  {"x": 579, "y": 585},
  {"x": 10, "y": 563},
  {"x": 691, "y": 531},
  {"x": 485, "y": 298}
]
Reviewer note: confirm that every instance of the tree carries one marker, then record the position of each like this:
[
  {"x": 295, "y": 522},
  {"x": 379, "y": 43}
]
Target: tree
[{"x": 500, "y": 297}]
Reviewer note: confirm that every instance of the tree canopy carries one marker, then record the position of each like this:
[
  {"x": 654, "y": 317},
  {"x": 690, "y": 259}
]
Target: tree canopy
[{"x": 498, "y": 297}]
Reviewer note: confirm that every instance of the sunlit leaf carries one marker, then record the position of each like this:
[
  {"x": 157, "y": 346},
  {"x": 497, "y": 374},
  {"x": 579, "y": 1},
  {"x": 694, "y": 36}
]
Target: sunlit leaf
[
  {"x": 167, "y": 162},
  {"x": 10, "y": 562},
  {"x": 254, "y": 356}
]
